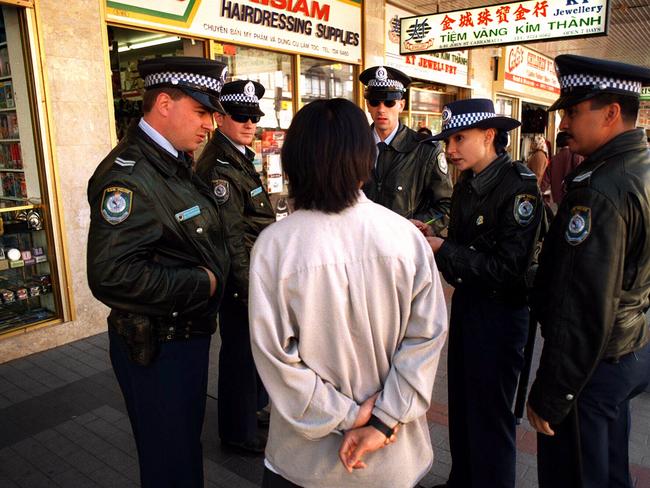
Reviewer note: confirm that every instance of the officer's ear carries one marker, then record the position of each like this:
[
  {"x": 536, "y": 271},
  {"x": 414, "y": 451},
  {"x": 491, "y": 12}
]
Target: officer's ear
[
  {"x": 218, "y": 118},
  {"x": 612, "y": 114},
  {"x": 402, "y": 104}
]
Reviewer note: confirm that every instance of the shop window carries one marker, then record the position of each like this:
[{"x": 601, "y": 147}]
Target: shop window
[
  {"x": 320, "y": 79},
  {"x": 506, "y": 106},
  {"x": 28, "y": 288},
  {"x": 129, "y": 46},
  {"x": 424, "y": 106}
]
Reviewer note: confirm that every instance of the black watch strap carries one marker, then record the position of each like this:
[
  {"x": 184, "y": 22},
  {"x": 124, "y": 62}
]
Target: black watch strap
[{"x": 377, "y": 423}]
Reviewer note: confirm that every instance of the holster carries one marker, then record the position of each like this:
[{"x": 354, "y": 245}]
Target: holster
[{"x": 138, "y": 333}]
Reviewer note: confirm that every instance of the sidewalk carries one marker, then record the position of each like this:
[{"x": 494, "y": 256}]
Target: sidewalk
[{"x": 63, "y": 424}]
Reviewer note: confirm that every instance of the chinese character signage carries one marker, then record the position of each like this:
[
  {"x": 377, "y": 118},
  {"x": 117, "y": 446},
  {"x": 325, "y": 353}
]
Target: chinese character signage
[
  {"x": 509, "y": 23},
  {"x": 449, "y": 67},
  {"x": 324, "y": 28},
  {"x": 527, "y": 71}
]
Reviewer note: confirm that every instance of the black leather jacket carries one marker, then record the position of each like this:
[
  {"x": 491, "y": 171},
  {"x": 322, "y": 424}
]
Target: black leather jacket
[
  {"x": 590, "y": 295},
  {"x": 411, "y": 178},
  {"x": 148, "y": 264},
  {"x": 495, "y": 218},
  {"x": 245, "y": 209}
]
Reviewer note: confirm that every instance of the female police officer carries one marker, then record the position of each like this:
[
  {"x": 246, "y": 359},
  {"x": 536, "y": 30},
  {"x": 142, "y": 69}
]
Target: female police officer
[{"x": 495, "y": 215}]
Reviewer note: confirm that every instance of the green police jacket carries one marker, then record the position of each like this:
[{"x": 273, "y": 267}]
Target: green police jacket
[
  {"x": 591, "y": 289},
  {"x": 495, "y": 219},
  {"x": 244, "y": 204},
  {"x": 152, "y": 225},
  {"x": 411, "y": 178}
]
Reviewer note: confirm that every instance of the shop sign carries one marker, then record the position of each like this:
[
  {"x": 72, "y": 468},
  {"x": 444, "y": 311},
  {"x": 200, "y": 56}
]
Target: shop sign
[
  {"x": 508, "y": 23},
  {"x": 525, "y": 69},
  {"x": 645, "y": 93},
  {"x": 448, "y": 68},
  {"x": 324, "y": 28}
]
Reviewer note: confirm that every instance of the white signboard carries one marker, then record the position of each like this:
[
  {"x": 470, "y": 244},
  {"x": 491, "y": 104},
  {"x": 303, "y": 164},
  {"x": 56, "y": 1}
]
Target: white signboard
[
  {"x": 510, "y": 23},
  {"x": 448, "y": 68},
  {"x": 323, "y": 28},
  {"x": 527, "y": 71}
]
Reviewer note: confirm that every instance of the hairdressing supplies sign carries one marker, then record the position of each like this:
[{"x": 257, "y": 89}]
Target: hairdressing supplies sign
[
  {"x": 324, "y": 28},
  {"x": 509, "y": 23},
  {"x": 449, "y": 67}
]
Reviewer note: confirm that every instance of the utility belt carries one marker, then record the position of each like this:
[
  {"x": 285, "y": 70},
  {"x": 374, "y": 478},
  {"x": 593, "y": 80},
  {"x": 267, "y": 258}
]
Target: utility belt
[{"x": 143, "y": 334}]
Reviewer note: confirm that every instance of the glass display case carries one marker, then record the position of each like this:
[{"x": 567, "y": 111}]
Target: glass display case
[{"x": 28, "y": 288}]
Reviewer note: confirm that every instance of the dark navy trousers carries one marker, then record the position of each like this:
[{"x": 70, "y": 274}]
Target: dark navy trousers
[
  {"x": 590, "y": 446},
  {"x": 485, "y": 356},
  {"x": 166, "y": 406},
  {"x": 240, "y": 390}
]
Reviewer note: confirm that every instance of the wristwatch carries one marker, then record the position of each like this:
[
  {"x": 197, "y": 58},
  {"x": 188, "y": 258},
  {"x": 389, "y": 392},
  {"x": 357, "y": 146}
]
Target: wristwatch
[{"x": 378, "y": 424}]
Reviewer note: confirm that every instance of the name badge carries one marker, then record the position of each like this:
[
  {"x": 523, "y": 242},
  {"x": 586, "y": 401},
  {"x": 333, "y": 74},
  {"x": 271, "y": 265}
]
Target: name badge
[
  {"x": 256, "y": 191},
  {"x": 188, "y": 214}
]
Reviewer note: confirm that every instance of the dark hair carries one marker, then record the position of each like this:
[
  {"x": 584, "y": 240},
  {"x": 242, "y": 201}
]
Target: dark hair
[
  {"x": 328, "y": 151},
  {"x": 150, "y": 96},
  {"x": 562, "y": 139},
  {"x": 501, "y": 140},
  {"x": 629, "y": 105},
  {"x": 425, "y": 130}
]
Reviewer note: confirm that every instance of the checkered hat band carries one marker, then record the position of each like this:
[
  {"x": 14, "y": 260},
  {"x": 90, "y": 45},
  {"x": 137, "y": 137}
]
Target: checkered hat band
[
  {"x": 386, "y": 84},
  {"x": 239, "y": 98},
  {"x": 601, "y": 82},
  {"x": 183, "y": 79},
  {"x": 463, "y": 120}
]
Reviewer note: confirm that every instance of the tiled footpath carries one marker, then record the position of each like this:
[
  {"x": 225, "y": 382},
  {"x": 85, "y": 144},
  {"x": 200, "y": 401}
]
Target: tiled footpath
[{"x": 63, "y": 424}]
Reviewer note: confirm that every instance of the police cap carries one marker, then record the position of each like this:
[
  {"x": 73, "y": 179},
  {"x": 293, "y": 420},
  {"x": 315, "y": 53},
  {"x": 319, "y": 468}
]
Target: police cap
[
  {"x": 200, "y": 78},
  {"x": 582, "y": 78},
  {"x": 384, "y": 83},
  {"x": 242, "y": 97}
]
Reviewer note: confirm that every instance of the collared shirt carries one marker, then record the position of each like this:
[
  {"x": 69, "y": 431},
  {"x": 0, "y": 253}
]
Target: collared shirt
[
  {"x": 157, "y": 137},
  {"x": 390, "y": 137},
  {"x": 240, "y": 147}
]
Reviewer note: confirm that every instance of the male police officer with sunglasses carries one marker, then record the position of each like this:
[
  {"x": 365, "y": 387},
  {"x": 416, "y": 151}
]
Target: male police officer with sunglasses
[
  {"x": 410, "y": 176},
  {"x": 226, "y": 165}
]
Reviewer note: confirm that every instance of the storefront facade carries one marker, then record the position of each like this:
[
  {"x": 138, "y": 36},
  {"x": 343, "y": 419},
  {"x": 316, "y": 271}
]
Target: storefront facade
[{"x": 80, "y": 88}]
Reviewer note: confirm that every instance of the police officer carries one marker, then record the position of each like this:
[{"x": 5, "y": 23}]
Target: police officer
[
  {"x": 593, "y": 282},
  {"x": 410, "y": 176},
  {"x": 496, "y": 210},
  {"x": 157, "y": 258},
  {"x": 226, "y": 165}
]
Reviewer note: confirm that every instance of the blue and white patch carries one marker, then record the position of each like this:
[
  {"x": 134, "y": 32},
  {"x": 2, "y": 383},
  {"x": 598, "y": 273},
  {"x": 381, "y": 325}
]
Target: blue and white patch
[
  {"x": 579, "y": 225},
  {"x": 442, "y": 163},
  {"x": 221, "y": 189},
  {"x": 256, "y": 191},
  {"x": 524, "y": 209},
  {"x": 116, "y": 204},
  {"x": 188, "y": 213}
]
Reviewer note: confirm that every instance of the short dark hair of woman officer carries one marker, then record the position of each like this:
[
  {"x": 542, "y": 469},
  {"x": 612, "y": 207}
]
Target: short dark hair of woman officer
[{"x": 328, "y": 153}]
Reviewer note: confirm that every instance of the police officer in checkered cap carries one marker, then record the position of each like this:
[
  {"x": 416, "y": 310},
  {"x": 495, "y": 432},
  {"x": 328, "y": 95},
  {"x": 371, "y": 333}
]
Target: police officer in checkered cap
[
  {"x": 410, "y": 176},
  {"x": 157, "y": 258},
  {"x": 226, "y": 165},
  {"x": 496, "y": 209},
  {"x": 593, "y": 282}
]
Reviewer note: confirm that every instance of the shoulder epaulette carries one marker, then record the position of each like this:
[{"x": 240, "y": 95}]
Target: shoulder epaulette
[{"x": 524, "y": 171}]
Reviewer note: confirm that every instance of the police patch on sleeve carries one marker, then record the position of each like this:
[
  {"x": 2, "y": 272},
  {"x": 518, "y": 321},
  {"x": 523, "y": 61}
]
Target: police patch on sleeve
[
  {"x": 442, "y": 163},
  {"x": 116, "y": 204},
  {"x": 221, "y": 190},
  {"x": 524, "y": 209},
  {"x": 579, "y": 225}
]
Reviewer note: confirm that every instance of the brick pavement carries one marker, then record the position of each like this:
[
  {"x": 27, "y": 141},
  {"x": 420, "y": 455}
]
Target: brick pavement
[{"x": 63, "y": 424}]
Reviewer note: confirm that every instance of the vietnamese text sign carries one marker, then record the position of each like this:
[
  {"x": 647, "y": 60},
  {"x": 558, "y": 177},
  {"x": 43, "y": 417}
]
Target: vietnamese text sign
[
  {"x": 510, "y": 23},
  {"x": 325, "y": 28},
  {"x": 449, "y": 68},
  {"x": 525, "y": 69},
  {"x": 645, "y": 93}
]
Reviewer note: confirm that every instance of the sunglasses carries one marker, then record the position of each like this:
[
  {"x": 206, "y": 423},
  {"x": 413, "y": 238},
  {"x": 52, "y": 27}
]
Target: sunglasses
[
  {"x": 242, "y": 119},
  {"x": 387, "y": 103}
]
